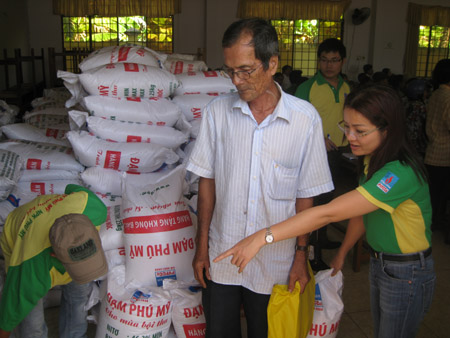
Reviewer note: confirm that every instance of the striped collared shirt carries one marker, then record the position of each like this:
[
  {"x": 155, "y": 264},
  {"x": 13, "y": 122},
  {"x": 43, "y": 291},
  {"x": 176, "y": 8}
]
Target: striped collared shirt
[{"x": 259, "y": 171}]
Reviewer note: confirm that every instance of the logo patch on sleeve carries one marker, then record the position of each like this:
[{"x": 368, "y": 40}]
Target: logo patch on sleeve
[{"x": 387, "y": 182}]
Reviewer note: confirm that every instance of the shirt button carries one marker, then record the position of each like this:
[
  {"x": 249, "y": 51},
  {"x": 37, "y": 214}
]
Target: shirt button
[
  {"x": 245, "y": 212},
  {"x": 252, "y": 202},
  {"x": 254, "y": 177}
]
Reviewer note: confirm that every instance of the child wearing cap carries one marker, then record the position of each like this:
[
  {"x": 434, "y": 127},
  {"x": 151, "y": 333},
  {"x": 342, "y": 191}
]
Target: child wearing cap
[{"x": 51, "y": 241}]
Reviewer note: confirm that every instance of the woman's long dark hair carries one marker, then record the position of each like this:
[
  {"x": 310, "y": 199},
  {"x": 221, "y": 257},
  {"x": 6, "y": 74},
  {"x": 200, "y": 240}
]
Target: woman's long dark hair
[{"x": 382, "y": 106}]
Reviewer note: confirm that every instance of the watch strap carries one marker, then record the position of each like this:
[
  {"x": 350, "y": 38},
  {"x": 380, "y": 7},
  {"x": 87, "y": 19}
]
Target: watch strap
[{"x": 301, "y": 247}]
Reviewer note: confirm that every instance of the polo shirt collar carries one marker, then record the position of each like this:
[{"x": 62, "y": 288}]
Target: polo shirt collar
[{"x": 321, "y": 80}]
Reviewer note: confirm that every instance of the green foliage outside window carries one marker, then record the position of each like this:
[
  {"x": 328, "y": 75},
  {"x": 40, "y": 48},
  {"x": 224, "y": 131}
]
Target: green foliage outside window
[
  {"x": 433, "y": 46},
  {"x": 152, "y": 32},
  {"x": 434, "y": 36}
]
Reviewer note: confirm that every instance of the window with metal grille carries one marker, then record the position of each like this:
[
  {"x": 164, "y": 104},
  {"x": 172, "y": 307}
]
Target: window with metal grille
[
  {"x": 299, "y": 39},
  {"x": 86, "y": 34},
  {"x": 433, "y": 46}
]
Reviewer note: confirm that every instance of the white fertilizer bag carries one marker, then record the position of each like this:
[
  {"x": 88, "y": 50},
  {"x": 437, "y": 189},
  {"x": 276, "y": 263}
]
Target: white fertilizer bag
[
  {"x": 47, "y": 175},
  {"x": 188, "y": 318},
  {"x": 46, "y": 187},
  {"x": 123, "y": 131},
  {"x": 195, "y": 128},
  {"x": 192, "y": 104},
  {"x": 7, "y": 113},
  {"x": 43, "y": 156},
  {"x": 154, "y": 111},
  {"x": 25, "y": 131},
  {"x": 183, "y": 66},
  {"x": 48, "y": 118},
  {"x": 204, "y": 83},
  {"x": 329, "y": 306},
  {"x": 158, "y": 230},
  {"x": 103, "y": 180},
  {"x": 122, "y": 80},
  {"x": 119, "y": 54},
  {"x": 16, "y": 198},
  {"x": 10, "y": 172},
  {"x": 109, "y": 181},
  {"x": 179, "y": 56},
  {"x": 131, "y": 157},
  {"x": 111, "y": 232},
  {"x": 115, "y": 257},
  {"x": 132, "y": 310},
  {"x": 109, "y": 199}
]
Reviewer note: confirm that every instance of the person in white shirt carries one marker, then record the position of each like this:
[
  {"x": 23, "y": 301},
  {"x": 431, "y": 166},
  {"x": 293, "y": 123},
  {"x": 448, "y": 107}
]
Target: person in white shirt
[{"x": 261, "y": 158}]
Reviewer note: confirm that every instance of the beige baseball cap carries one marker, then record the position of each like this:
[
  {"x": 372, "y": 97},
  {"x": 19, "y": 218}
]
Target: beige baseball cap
[{"x": 76, "y": 243}]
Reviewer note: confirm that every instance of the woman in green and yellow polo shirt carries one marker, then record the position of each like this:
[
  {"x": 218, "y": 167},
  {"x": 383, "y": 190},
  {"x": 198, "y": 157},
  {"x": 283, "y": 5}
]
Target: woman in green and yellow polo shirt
[{"x": 391, "y": 205}]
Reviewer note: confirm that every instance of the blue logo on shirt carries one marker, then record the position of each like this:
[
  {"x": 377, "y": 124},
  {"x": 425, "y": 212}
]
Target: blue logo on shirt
[{"x": 387, "y": 182}]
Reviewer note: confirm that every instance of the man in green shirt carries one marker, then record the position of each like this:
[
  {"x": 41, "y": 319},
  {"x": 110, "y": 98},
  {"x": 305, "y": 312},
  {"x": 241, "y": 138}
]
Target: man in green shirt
[{"x": 326, "y": 91}]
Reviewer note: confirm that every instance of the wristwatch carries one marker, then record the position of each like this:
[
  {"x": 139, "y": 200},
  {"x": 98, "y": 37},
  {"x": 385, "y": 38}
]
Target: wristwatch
[
  {"x": 301, "y": 247},
  {"x": 269, "y": 236}
]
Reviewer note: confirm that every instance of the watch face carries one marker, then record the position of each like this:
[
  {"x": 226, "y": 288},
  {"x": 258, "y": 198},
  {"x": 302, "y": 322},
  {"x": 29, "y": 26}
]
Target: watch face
[{"x": 269, "y": 238}]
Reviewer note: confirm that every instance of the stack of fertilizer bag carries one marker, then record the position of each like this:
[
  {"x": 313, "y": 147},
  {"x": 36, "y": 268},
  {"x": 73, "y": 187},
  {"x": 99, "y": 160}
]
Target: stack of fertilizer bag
[
  {"x": 129, "y": 137},
  {"x": 48, "y": 160},
  {"x": 197, "y": 89}
]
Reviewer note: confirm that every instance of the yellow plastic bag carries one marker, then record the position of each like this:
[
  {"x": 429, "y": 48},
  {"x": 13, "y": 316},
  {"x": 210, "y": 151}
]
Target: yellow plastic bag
[{"x": 291, "y": 314}]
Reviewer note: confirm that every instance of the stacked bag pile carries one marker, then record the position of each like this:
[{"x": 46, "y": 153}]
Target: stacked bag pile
[
  {"x": 48, "y": 163},
  {"x": 129, "y": 136},
  {"x": 197, "y": 88}
]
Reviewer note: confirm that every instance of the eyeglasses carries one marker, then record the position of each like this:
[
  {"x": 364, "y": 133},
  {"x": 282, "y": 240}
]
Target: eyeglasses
[
  {"x": 242, "y": 74},
  {"x": 358, "y": 134},
  {"x": 332, "y": 61}
]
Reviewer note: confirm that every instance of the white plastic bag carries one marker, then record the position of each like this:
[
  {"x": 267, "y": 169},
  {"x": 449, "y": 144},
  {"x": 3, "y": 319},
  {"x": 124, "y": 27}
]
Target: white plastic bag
[{"x": 328, "y": 304}]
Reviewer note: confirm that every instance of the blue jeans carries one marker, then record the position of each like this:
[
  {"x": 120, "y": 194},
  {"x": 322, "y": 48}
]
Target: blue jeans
[
  {"x": 72, "y": 316},
  {"x": 400, "y": 295}
]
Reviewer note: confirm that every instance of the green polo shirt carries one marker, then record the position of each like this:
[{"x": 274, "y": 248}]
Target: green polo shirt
[
  {"x": 402, "y": 222},
  {"x": 328, "y": 101}
]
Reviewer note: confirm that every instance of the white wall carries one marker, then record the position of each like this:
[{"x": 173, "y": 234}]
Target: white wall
[
  {"x": 357, "y": 39},
  {"x": 189, "y": 27}
]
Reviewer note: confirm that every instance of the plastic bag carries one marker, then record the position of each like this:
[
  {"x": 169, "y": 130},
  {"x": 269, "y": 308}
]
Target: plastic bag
[
  {"x": 328, "y": 304},
  {"x": 290, "y": 314}
]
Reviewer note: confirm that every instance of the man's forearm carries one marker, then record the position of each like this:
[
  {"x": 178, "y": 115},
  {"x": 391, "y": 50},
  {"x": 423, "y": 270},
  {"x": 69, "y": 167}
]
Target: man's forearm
[{"x": 205, "y": 208}]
